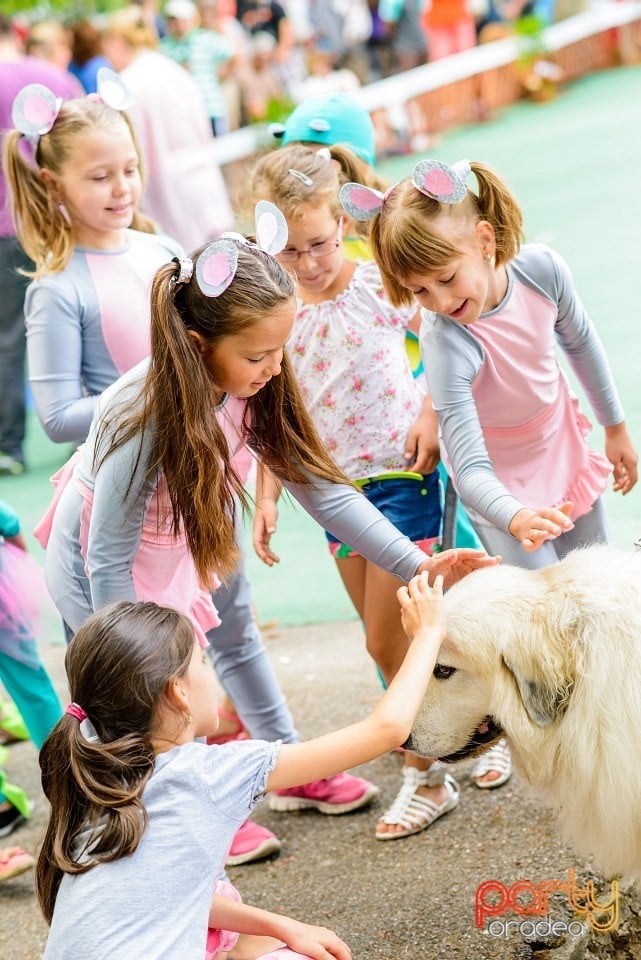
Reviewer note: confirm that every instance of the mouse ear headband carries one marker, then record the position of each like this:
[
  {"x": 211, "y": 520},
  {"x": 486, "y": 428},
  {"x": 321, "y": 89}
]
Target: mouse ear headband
[
  {"x": 35, "y": 108},
  {"x": 34, "y": 111},
  {"x": 111, "y": 90},
  {"x": 216, "y": 266},
  {"x": 433, "y": 178},
  {"x": 360, "y": 202},
  {"x": 441, "y": 182}
]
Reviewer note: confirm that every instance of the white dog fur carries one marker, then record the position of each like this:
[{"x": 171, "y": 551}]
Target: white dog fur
[{"x": 553, "y": 657}]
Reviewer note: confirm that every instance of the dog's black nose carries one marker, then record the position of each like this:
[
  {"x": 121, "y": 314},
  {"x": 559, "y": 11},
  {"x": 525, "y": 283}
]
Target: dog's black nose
[{"x": 408, "y": 743}]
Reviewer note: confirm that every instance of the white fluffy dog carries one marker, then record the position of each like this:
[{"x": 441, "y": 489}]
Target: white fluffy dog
[{"x": 552, "y": 658}]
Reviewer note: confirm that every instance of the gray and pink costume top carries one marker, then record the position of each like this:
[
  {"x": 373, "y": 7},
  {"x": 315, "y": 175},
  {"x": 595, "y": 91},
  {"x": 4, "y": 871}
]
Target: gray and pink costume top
[
  {"x": 107, "y": 536},
  {"x": 512, "y": 429},
  {"x": 88, "y": 325}
]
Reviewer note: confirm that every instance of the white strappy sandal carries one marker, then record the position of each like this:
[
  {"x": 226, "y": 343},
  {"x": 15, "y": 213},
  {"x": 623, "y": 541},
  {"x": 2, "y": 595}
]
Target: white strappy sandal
[
  {"x": 498, "y": 760},
  {"x": 413, "y": 812}
]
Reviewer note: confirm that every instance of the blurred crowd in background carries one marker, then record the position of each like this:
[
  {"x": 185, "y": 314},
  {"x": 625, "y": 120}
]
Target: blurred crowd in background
[{"x": 255, "y": 60}]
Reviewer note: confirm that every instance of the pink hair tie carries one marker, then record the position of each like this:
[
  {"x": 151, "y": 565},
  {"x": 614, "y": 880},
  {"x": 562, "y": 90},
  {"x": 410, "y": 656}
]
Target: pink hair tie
[
  {"x": 87, "y": 728},
  {"x": 75, "y": 710}
]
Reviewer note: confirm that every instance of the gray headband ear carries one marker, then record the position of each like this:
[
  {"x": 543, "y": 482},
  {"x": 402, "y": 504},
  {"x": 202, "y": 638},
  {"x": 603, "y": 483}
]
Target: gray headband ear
[
  {"x": 441, "y": 182},
  {"x": 216, "y": 267},
  {"x": 217, "y": 264},
  {"x": 360, "y": 202},
  {"x": 34, "y": 111},
  {"x": 36, "y": 108}
]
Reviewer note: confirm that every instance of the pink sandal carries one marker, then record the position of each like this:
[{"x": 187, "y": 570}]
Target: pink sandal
[{"x": 14, "y": 861}]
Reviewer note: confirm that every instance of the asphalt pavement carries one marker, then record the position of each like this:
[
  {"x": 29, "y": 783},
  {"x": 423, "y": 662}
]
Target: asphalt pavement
[{"x": 412, "y": 898}]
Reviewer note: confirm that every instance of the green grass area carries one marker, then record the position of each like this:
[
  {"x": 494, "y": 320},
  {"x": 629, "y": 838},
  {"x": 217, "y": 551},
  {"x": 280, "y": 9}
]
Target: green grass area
[{"x": 574, "y": 164}]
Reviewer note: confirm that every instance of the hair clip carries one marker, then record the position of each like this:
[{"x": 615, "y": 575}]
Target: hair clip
[
  {"x": 112, "y": 91},
  {"x": 34, "y": 111},
  {"x": 360, "y": 202},
  {"x": 325, "y": 153},
  {"x": 304, "y": 179},
  {"x": 440, "y": 181}
]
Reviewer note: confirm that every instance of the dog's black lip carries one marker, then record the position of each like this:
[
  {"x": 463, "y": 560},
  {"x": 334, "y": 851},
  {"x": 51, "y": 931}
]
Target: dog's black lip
[{"x": 478, "y": 742}]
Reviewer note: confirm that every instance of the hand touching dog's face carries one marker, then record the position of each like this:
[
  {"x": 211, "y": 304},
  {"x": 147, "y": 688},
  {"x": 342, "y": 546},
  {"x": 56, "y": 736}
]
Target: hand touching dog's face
[{"x": 505, "y": 665}]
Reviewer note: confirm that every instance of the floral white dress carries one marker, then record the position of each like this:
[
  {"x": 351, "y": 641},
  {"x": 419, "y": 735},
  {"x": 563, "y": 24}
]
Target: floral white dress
[{"x": 350, "y": 360}]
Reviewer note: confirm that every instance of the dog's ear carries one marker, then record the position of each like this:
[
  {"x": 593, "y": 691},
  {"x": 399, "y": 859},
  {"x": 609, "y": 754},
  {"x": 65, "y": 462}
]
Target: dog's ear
[
  {"x": 544, "y": 698},
  {"x": 541, "y": 648}
]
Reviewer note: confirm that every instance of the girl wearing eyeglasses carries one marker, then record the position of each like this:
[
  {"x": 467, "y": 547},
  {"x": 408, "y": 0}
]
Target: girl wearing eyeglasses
[{"x": 348, "y": 352}]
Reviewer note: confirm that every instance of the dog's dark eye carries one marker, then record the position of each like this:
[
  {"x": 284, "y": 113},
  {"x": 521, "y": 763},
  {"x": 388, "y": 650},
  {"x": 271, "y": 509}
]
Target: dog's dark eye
[{"x": 441, "y": 672}]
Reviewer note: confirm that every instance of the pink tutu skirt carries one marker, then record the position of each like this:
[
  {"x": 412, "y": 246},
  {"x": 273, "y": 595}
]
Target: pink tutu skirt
[{"x": 219, "y": 941}]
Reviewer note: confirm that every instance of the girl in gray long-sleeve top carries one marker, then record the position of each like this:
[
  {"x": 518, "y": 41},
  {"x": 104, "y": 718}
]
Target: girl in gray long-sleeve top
[{"x": 147, "y": 512}]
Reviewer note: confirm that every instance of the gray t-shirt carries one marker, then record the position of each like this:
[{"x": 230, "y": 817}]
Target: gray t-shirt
[{"x": 154, "y": 904}]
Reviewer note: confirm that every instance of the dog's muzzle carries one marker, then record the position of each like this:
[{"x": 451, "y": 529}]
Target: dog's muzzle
[{"x": 487, "y": 733}]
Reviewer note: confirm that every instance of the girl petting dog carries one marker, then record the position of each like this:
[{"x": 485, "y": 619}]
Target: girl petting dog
[
  {"x": 125, "y": 778},
  {"x": 148, "y": 513},
  {"x": 75, "y": 195}
]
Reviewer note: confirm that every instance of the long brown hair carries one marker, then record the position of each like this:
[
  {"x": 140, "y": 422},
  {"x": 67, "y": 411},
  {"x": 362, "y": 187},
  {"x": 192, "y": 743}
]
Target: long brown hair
[
  {"x": 189, "y": 446},
  {"x": 118, "y": 666},
  {"x": 41, "y": 227},
  {"x": 405, "y": 236}
]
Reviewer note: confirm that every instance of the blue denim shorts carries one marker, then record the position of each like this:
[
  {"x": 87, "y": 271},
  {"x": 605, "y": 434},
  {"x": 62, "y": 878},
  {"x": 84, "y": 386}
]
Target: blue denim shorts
[{"x": 413, "y": 503}]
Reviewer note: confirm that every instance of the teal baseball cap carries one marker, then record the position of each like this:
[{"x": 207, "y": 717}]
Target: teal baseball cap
[{"x": 338, "y": 118}]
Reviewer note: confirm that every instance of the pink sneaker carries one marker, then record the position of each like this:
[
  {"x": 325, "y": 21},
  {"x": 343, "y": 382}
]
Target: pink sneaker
[
  {"x": 252, "y": 842},
  {"x": 339, "y": 794}
]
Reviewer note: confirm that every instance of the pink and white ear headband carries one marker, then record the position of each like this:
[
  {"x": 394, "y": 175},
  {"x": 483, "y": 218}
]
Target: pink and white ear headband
[
  {"x": 432, "y": 177},
  {"x": 216, "y": 266},
  {"x": 36, "y": 108}
]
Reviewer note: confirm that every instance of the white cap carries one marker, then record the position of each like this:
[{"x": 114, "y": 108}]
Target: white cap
[{"x": 181, "y": 10}]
